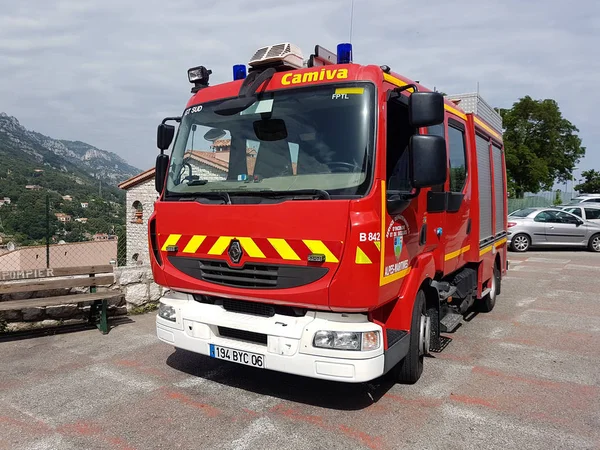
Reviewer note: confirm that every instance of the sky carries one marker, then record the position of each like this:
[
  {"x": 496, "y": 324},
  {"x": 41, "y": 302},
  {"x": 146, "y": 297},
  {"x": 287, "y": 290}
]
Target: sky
[{"x": 106, "y": 72}]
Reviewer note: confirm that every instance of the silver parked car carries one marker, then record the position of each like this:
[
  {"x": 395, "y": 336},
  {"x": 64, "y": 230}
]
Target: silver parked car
[
  {"x": 588, "y": 199},
  {"x": 550, "y": 227},
  {"x": 585, "y": 211}
]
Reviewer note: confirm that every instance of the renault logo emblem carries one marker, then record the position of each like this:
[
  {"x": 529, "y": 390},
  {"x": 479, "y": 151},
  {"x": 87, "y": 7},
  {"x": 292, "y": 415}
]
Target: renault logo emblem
[{"x": 235, "y": 251}]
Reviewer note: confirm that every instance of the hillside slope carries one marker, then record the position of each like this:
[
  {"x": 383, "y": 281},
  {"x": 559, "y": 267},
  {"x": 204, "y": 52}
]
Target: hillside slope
[
  {"x": 78, "y": 179},
  {"x": 84, "y": 157}
]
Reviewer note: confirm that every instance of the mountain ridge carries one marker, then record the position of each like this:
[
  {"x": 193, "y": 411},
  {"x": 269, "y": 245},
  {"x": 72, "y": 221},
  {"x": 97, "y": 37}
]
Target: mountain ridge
[{"x": 65, "y": 155}]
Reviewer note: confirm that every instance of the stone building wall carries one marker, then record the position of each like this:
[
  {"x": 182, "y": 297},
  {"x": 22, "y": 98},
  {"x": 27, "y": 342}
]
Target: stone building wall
[{"x": 137, "y": 230}]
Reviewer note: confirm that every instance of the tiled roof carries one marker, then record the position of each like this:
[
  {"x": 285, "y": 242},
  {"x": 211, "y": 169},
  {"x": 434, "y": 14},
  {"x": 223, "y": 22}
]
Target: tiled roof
[
  {"x": 221, "y": 143},
  {"x": 218, "y": 160},
  {"x": 140, "y": 178}
]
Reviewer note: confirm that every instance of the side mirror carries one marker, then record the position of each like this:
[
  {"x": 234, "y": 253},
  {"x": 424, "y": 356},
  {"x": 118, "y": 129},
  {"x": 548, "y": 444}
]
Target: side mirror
[
  {"x": 428, "y": 160},
  {"x": 425, "y": 109},
  {"x": 160, "y": 174},
  {"x": 164, "y": 136}
]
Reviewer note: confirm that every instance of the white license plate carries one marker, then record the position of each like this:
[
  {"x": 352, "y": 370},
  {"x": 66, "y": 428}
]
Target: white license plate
[{"x": 237, "y": 356}]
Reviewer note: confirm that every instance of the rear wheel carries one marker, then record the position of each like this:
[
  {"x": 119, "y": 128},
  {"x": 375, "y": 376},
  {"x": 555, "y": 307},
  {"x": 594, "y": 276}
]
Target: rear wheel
[
  {"x": 487, "y": 303},
  {"x": 409, "y": 370},
  {"x": 520, "y": 242},
  {"x": 594, "y": 244}
]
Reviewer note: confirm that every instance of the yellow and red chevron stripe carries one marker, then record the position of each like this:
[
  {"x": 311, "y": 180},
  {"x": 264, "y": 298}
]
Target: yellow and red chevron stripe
[
  {"x": 257, "y": 248},
  {"x": 368, "y": 252}
]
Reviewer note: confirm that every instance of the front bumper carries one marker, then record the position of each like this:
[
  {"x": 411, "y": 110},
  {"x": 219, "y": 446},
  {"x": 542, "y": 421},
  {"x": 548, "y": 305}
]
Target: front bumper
[{"x": 288, "y": 348}]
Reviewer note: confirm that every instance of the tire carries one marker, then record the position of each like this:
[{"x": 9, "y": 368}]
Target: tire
[
  {"x": 520, "y": 243},
  {"x": 594, "y": 244},
  {"x": 409, "y": 369},
  {"x": 487, "y": 303}
]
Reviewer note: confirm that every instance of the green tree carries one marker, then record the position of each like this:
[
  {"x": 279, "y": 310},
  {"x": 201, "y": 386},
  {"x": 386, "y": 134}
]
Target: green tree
[
  {"x": 591, "y": 185},
  {"x": 557, "y": 198},
  {"x": 541, "y": 145}
]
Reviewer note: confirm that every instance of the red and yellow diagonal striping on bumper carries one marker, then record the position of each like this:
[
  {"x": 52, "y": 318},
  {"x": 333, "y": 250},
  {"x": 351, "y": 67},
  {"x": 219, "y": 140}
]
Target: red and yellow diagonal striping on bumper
[{"x": 256, "y": 248}]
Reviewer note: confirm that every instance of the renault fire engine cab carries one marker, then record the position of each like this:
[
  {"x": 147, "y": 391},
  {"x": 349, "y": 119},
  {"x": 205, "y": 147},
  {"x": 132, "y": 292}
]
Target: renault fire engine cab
[{"x": 325, "y": 218}]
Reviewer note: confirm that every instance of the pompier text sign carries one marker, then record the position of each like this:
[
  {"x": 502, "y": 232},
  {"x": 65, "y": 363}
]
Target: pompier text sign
[{"x": 25, "y": 274}]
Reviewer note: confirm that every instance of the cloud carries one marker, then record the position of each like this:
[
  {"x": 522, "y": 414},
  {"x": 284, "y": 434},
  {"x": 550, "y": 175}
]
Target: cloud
[{"x": 108, "y": 72}]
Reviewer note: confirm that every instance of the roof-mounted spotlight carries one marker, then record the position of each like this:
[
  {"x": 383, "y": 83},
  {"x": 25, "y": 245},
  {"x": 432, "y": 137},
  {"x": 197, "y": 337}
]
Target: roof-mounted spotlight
[{"x": 199, "y": 77}]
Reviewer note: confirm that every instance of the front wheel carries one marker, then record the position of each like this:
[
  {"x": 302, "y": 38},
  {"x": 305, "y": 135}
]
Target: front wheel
[
  {"x": 409, "y": 370},
  {"x": 594, "y": 244},
  {"x": 520, "y": 242}
]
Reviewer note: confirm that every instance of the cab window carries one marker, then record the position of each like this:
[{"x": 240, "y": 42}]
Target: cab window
[
  {"x": 399, "y": 132},
  {"x": 458, "y": 158}
]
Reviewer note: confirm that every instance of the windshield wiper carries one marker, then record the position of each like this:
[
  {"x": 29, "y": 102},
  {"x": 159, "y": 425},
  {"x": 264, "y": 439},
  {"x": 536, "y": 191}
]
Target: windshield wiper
[
  {"x": 197, "y": 182},
  {"x": 319, "y": 193},
  {"x": 218, "y": 194}
]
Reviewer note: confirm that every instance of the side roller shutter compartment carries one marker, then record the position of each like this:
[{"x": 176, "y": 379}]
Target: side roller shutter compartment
[
  {"x": 485, "y": 188},
  {"x": 499, "y": 189}
]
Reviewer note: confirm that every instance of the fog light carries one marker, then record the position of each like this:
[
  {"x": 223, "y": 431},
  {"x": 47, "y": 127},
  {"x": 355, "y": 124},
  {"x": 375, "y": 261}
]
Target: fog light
[{"x": 167, "y": 312}]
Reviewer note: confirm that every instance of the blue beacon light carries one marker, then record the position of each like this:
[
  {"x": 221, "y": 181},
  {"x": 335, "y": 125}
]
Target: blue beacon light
[
  {"x": 239, "y": 72},
  {"x": 344, "y": 53}
]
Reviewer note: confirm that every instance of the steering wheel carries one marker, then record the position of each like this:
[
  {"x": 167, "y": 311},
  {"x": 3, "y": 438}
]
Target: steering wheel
[{"x": 342, "y": 164}]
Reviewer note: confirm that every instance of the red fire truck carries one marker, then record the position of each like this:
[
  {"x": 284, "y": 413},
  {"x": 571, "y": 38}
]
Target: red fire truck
[{"x": 325, "y": 218}]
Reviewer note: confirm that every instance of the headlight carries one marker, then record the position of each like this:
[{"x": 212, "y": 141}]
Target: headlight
[
  {"x": 167, "y": 312},
  {"x": 347, "y": 340}
]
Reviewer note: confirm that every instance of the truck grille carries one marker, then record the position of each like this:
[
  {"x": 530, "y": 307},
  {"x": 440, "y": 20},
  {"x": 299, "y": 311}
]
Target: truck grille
[
  {"x": 242, "y": 335},
  {"x": 257, "y": 309},
  {"x": 250, "y": 275},
  {"x": 247, "y": 307}
]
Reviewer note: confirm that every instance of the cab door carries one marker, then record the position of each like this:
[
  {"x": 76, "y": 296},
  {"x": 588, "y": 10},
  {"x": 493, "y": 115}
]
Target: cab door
[{"x": 458, "y": 203}]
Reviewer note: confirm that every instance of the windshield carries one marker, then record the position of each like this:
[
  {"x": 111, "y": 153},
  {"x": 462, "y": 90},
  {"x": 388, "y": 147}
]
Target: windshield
[
  {"x": 309, "y": 139},
  {"x": 522, "y": 212}
]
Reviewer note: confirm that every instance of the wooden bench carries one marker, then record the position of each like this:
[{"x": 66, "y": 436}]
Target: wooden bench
[{"x": 34, "y": 282}]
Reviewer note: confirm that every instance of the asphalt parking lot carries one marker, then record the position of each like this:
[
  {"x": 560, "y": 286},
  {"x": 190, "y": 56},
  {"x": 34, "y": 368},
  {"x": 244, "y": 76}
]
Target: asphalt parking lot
[{"x": 526, "y": 375}]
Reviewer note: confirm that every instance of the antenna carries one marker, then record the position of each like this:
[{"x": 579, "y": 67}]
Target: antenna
[{"x": 351, "y": 19}]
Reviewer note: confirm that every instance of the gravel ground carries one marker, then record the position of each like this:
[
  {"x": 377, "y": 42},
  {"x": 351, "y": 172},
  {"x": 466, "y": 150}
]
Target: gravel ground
[{"x": 523, "y": 376}]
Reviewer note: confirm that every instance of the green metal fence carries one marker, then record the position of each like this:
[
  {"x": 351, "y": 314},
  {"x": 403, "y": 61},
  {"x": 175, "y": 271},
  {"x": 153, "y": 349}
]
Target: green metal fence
[
  {"x": 51, "y": 232},
  {"x": 543, "y": 199}
]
